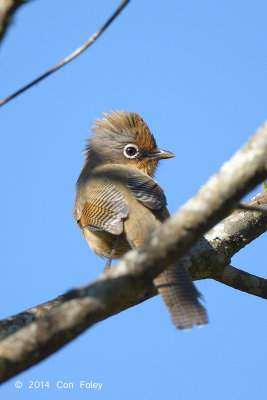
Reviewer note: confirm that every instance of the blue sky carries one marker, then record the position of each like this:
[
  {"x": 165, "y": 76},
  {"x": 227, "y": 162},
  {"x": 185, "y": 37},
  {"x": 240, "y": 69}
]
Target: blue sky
[{"x": 196, "y": 72}]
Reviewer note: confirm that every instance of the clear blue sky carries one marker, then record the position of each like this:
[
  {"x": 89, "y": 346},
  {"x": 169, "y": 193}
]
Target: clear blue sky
[{"x": 196, "y": 72}]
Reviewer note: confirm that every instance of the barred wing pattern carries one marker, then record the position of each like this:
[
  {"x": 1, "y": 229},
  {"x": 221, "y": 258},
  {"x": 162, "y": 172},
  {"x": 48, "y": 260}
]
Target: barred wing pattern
[{"x": 104, "y": 210}]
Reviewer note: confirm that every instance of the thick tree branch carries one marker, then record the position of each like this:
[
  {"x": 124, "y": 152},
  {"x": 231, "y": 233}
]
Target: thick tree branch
[
  {"x": 71, "y": 57},
  {"x": 112, "y": 290},
  {"x": 15, "y": 322},
  {"x": 7, "y": 9},
  {"x": 207, "y": 259}
]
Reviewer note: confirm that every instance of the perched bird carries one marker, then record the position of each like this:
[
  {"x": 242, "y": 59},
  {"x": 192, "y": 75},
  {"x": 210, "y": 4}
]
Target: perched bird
[{"x": 118, "y": 204}]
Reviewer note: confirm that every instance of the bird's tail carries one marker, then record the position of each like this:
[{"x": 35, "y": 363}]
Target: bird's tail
[
  {"x": 174, "y": 284},
  {"x": 181, "y": 297}
]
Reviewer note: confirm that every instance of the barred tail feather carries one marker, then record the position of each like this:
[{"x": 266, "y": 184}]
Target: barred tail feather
[{"x": 181, "y": 297}]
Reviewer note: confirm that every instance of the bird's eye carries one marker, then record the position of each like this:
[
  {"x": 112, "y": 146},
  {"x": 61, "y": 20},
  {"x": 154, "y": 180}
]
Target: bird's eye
[{"x": 130, "y": 151}]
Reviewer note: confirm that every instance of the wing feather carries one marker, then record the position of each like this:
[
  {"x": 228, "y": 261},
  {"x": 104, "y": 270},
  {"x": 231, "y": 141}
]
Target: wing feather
[
  {"x": 147, "y": 191},
  {"x": 104, "y": 209}
]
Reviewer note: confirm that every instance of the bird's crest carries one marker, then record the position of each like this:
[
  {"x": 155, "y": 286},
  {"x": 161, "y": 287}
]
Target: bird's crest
[
  {"x": 122, "y": 125},
  {"x": 109, "y": 137}
]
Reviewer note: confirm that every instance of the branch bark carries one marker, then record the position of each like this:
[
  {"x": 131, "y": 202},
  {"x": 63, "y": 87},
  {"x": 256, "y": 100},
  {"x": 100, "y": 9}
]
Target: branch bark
[
  {"x": 111, "y": 291},
  {"x": 213, "y": 253},
  {"x": 7, "y": 9},
  {"x": 243, "y": 281},
  {"x": 208, "y": 258}
]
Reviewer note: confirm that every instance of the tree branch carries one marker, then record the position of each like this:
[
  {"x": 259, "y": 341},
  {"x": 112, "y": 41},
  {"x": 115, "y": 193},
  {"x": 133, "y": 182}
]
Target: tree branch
[
  {"x": 71, "y": 57},
  {"x": 213, "y": 252},
  {"x": 243, "y": 281},
  {"x": 206, "y": 259},
  {"x": 7, "y": 9},
  {"x": 118, "y": 286},
  {"x": 244, "y": 206}
]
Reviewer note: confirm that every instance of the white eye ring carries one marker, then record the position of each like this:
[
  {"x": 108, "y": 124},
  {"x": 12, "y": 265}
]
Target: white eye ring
[{"x": 130, "y": 150}]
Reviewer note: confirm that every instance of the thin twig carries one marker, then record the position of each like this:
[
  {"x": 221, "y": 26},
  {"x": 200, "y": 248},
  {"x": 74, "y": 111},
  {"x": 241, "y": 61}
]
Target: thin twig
[{"x": 71, "y": 57}]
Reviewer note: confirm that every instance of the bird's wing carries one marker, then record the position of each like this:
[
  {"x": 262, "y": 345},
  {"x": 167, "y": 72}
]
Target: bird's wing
[
  {"x": 104, "y": 209},
  {"x": 147, "y": 191}
]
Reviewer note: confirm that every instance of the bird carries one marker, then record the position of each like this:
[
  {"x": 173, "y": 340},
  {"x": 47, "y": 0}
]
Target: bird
[{"x": 118, "y": 204}]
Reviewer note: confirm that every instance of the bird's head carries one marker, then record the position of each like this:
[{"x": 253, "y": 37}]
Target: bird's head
[{"x": 123, "y": 138}]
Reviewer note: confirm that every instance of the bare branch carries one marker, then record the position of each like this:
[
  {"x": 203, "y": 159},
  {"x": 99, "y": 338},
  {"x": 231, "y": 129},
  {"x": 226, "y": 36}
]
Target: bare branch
[
  {"x": 7, "y": 9},
  {"x": 207, "y": 259},
  {"x": 112, "y": 290},
  {"x": 15, "y": 322},
  {"x": 71, "y": 57},
  {"x": 213, "y": 253},
  {"x": 244, "y": 206},
  {"x": 243, "y": 281}
]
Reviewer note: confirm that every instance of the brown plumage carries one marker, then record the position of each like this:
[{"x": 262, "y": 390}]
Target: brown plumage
[{"x": 118, "y": 204}]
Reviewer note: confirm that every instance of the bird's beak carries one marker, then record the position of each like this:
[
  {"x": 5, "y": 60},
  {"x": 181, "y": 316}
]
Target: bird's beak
[{"x": 160, "y": 154}]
